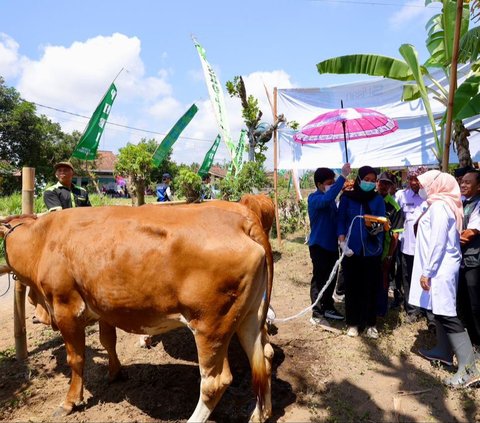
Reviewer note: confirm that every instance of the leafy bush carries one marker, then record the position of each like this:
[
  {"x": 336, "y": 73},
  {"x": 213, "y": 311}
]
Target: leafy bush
[
  {"x": 293, "y": 214},
  {"x": 250, "y": 179},
  {"x": 188, "y": 184}
]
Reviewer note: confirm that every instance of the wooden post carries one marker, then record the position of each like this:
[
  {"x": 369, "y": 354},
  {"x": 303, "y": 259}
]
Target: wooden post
[
  {"x": 20, "y": 332},
  {"x": 275, "y": 170},
  {"x": 453, "y": 85}
]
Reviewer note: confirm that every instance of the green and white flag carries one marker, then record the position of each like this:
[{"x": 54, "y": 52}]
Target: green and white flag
[
  {"x": 216, "y": 97},
  {"x": 238, "y": 159},
  {"x": 86, "y": 148},
  {"x": 162, "y": 150},
  {"x": 208, "y": 160}
]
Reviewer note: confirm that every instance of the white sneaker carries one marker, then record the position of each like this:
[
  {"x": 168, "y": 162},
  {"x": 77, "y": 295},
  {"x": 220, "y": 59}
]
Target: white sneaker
[
  {"x": 371, "y": 332},
  {"x": 352, "y": 331},
  {"x": 319, "y": 321}
]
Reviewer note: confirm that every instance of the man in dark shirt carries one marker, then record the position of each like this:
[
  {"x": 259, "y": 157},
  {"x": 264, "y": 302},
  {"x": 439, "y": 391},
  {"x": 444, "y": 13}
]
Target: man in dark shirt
[{"x": 64, "y": 194}]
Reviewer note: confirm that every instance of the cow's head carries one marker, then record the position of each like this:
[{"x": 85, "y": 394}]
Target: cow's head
[{"x": 7, "y": 223}]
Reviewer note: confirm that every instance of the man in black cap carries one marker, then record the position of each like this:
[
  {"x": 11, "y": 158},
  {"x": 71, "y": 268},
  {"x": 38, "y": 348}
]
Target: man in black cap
[
  {"x": 64, "y": 194},
  {"x": 460, "y": 172},
  {"x": 164, "y": 192},
  {"x": 385, "y": 182}
]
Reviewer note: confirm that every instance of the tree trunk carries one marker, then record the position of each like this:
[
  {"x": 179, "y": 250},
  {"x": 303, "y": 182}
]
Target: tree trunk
[
  {"x": 140, "y": 188},
  {"x": 460, "y": 139}
]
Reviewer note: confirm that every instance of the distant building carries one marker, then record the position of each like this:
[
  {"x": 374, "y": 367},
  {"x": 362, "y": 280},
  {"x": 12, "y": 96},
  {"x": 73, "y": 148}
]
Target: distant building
[{"x": 103, "y": 169}]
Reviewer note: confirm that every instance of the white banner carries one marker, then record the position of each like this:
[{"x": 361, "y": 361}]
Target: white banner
[
  {"x": 216, "y": 97},
  {"x": 410, "y": 145}
]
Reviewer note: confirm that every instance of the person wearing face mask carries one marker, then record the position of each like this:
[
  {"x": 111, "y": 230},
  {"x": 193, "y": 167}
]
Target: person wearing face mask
[
  {"x": 322, "y": 242},
  {"x": 435, "y": 275},
  {"x": 362, "y": 269}
]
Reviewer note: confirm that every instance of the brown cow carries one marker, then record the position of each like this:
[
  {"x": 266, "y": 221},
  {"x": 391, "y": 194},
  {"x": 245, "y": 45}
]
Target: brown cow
[
  {"x": 148, "y": 270},
  {"x": 262, "y": 205}
]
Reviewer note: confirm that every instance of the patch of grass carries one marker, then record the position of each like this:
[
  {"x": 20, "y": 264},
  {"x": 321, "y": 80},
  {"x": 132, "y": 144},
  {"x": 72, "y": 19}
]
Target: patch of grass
[{"x": 7, "y": 354}]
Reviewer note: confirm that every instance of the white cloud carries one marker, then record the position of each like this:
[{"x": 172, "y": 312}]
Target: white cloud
[
  {"x": 11, "y": 63},
  {"x": 412, "y": 10},
  {"x": 72, "y": 77},
  {"x": 204, "y": 125}
]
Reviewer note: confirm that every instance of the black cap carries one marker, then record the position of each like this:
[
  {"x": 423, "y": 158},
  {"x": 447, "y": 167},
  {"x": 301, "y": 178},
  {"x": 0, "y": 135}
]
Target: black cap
[
  {"x": 462, "y": 171},
  {"x": 166, "y": 176},
  {"x": 63, "y": 164},
  {"x": 387, "y": 177}
]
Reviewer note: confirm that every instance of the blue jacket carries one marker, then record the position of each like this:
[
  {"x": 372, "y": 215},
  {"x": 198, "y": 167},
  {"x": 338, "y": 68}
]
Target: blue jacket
[
  {"x": 322, "y": 212},
  {"x": 360, "y": 241}
]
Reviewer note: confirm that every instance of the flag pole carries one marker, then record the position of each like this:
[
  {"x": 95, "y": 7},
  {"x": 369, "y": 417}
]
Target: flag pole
[
  {"x": 344, "y": 135},
  {"x": 453, "y": 85},
  {"x": 275, "y": 168}
]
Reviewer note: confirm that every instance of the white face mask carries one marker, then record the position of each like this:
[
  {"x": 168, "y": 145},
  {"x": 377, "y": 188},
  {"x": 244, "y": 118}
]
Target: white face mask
[
  {"x": 422, "y": 193},
  {"x": 327, "y": 187}
]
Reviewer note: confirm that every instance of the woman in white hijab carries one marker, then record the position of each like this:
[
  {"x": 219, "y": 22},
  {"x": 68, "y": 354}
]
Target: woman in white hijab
[{"x": 435, "y": 274}]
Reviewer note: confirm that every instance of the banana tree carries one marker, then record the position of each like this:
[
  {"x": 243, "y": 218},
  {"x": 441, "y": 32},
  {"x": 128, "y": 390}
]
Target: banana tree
[{"x": 439, "y": 42}]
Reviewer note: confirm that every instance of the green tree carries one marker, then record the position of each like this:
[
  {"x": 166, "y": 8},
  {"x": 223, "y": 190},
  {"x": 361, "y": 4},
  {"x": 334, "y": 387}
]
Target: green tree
[
  {"x": 135, "y": 164},
  {"x": 27, "y": 139},
  {"x": 258, "y": 134},
  {"x": 439, "y": 43}
]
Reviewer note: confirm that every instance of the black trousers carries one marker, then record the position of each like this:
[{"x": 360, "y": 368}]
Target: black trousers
[
  {"x": 451, "y": 324},
  {"x": 362, "y": 276},
  {"x": 468, "y": 301},
  {"x": 323, "y": 261},
  {"x": 407, "y": 268}
]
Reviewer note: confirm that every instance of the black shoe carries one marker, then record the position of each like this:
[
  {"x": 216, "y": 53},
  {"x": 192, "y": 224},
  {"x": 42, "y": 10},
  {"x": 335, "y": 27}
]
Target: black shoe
[{"x": 333, "y": 314}]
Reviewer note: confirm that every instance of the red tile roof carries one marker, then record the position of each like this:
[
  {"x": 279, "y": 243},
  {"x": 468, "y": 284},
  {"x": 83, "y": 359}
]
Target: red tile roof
[
  {"x": 105, "y": 161},
  {"x": 218, "y": 171}
]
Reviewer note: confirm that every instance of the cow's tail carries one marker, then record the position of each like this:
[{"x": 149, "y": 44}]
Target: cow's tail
[{"x": 261, "y": 376}]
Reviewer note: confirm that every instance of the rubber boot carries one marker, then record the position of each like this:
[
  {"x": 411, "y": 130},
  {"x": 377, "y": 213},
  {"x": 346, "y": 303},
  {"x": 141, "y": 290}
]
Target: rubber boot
[
  {"x": 467, "y": 373},
  {"x": 442, "y": 351}
]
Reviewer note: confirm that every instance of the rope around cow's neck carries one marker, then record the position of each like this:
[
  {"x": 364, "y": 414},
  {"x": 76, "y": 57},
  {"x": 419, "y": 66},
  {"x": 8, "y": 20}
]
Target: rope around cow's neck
[{"x": 329, "y": 281}]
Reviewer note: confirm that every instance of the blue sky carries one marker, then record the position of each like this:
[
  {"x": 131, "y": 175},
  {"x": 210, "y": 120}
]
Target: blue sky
[{"x": 64, "y": 54}]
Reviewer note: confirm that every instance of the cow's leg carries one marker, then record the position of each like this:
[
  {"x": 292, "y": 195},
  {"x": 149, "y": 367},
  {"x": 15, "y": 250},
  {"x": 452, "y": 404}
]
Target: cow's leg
[
  {"x": 73, "y": 333},
  {"x": 254, "y": 341},
  {"x": 108, "y": 338},
  {"x": 215, "y": 374}
]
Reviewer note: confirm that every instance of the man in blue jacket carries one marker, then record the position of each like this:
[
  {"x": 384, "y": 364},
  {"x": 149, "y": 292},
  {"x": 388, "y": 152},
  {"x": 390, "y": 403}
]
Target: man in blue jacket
[{"x": 322, "y": 243}]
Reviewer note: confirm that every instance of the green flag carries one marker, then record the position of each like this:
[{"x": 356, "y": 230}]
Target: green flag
[
  {"x": 86, "y": 148},
  {"x": 238, "y": 158},
  {"x": 162, "y": 150},
  {"x": 208, "y": 160}
]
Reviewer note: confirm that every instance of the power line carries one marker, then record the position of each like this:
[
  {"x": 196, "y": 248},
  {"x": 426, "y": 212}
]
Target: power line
[
  {"x": 113, "y": 123},
  {"x": 370, "y": 3}
]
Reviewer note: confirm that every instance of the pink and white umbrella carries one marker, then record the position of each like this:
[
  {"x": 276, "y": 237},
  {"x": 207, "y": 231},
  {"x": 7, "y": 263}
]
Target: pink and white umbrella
[{"x": 343, "y": 124}]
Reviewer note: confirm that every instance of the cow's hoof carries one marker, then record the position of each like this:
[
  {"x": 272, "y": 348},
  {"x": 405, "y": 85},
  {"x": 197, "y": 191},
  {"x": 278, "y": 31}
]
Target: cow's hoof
[
  {"x": 121, "y": 376},
  {"x": 62, "y": 412}
]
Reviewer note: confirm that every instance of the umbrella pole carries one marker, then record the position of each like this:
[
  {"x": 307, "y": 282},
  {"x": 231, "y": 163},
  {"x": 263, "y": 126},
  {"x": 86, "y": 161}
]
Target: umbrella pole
[{"x": 345, "y": 140}]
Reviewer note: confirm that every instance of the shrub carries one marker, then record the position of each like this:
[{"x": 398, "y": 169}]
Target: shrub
[
  {"x": 189, "y": 185},
  {"x": 250, "y": 179}
]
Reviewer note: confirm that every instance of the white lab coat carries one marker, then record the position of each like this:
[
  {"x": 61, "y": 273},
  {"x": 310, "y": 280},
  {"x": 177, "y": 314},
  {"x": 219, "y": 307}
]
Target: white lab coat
[{"x": 437, "y": 256}]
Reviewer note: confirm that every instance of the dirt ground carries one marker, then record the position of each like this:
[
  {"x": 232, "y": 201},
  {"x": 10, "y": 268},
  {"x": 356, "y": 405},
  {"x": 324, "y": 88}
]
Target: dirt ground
[{"x": 317, "y": 375}]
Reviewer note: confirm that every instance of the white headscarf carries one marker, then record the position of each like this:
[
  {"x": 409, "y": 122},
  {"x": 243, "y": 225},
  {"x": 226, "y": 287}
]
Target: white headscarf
[{"x": 441, "y": 186}]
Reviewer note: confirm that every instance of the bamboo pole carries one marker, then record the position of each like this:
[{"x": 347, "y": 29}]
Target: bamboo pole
[
  {"x": 19, "y": 328},
  {"x": 275, "y": 168},
  {"x": 453, "y": 85}
]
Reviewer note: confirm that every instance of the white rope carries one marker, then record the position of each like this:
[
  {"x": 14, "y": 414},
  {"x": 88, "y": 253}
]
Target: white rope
[{"x": 330, "y": 279}]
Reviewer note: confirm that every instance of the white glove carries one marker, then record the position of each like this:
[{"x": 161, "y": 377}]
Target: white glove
[{"x": 344, "y": 247}]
